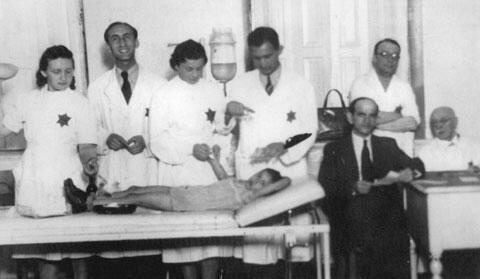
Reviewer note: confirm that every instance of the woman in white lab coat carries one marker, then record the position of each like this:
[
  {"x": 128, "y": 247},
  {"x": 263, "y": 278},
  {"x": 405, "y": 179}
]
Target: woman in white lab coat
[
  {"x": 184, "y": 119},
  {"x": 58, "y": 127}
]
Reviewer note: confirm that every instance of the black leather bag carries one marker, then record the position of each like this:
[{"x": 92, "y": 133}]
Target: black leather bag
[{"x": 332, "y": 121}]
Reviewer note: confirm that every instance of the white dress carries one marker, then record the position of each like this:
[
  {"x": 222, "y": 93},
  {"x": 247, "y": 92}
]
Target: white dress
[
  {"x": 290, "y": 110},
  {"x": 54, "y": 122},
  {"x": 180, "y": 117}
]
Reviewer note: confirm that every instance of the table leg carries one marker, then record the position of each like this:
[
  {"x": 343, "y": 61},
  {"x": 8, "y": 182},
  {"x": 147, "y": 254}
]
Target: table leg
[
  {"x": 436, "y": 266},
  {"x": 413, "y": 260}
]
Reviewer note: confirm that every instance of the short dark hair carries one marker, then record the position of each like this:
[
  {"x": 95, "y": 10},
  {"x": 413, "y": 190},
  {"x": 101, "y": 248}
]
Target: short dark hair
[
  {"x": 105, "y": 34},
  {"x": 188, "y": 49},
  {"x": 52, "y": 53},
  {"x": 386, "y": 40},
  {"x": 352, "y": 105},
  {"x": 274, "y": 175},
  {"x": 261, "y": 35}
]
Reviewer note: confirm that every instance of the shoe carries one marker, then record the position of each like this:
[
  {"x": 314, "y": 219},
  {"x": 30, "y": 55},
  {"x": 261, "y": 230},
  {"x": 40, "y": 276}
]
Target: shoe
[
  {"x": 119, "y": 209},
  {"x": 76, "y": 197}
]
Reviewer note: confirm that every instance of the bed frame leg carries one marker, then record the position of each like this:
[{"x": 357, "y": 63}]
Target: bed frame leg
[{"x": 288, "y": 247}]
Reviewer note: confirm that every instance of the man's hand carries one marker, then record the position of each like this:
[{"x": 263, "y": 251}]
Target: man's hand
[
  {"x": 237, "y": 109},
  {"x": 264, "y": 155},
  {"x": 405, "y": 175},
  {"x": 136, "y": 144},
  {"x": 363, "y": 187},
  {"x": 116, "y": 142},
  {"x": 201, "y": 151}
]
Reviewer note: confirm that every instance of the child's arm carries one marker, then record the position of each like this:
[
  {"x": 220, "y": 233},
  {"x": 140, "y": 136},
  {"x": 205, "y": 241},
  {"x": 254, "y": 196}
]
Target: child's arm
[
  {"x": 272, "y": 188},
  {"x": 215, "y": 163}
]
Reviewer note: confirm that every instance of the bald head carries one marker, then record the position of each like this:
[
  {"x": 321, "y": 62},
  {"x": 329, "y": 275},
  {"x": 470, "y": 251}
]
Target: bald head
[{"x": 443, "y": 123}]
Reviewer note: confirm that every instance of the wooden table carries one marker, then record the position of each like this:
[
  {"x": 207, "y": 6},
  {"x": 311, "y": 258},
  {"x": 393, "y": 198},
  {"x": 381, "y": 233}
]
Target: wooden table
[{"x": 443, "y": 212}]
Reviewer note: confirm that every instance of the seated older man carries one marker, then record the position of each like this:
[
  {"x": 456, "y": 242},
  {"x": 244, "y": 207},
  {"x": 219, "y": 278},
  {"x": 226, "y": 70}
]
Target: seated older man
[{"x": 447, "y": 150}]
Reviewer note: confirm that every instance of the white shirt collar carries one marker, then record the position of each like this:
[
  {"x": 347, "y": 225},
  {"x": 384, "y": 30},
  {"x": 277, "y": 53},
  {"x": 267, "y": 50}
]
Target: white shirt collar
[
  {"x": 274, "y": 76},
  {"x": 446, "y": 143}
]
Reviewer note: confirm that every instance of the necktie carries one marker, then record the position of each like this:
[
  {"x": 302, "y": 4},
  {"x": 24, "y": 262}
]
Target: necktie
[
  {"x": 126, "y": 88},
  {"x": 367, "y": 166},
  {"x": 269, "y": 86}
]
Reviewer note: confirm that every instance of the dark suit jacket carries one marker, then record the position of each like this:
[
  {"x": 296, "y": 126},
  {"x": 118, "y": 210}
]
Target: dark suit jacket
[{"x": 339, "y": 173}]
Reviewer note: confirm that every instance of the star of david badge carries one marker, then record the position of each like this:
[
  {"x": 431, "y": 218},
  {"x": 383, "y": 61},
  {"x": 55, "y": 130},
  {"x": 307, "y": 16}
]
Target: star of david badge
[
  {"x": 291, "y": 116},
  {"x": 63, "y": 119},
  {"x": 210, "y": 115}
]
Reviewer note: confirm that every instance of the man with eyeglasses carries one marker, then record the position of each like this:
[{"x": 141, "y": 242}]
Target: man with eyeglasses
[
  {"x": 398, "y": 117},
  {"x": 447, "y": 150}
]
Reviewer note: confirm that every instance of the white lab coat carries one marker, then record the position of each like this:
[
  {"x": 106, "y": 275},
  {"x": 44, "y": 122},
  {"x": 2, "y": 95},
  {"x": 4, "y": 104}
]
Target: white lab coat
[
  {"x": 120, "y": 168},
  {"x": 290, "y": 110},
  {"x": 180, "y": 117},
  {"x": 398, "y": 94}
]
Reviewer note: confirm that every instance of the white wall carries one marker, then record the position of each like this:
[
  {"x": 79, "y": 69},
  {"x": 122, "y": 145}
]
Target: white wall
[
  {"x": 159, "y": 24},
  {"x": 451, "y": 32},
  {"x": 28, "y": 27}
]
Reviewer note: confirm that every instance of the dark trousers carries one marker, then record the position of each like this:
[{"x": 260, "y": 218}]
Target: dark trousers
[{"x": 379, "y": 236}]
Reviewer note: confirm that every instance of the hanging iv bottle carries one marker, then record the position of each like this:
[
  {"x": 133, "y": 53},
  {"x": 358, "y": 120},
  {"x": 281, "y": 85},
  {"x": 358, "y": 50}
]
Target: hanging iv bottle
[{"x": 222, "y": 47}]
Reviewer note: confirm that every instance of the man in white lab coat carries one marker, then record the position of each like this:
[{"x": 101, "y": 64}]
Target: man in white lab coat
[
  {"x": 272, "y": 104},
  {"x": 398, "y": 117},
  {"x": 121, "y": 99}
]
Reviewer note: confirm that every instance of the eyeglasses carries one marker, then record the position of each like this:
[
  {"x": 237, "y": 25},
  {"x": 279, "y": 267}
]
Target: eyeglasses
[
  {"x": 440, "y": 122},
  {"x": 384, "y": 54}
]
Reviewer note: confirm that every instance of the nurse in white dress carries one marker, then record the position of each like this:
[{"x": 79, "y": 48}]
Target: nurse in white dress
[
  {"x": 183, "y": 123},
  {"x": 57, "y": 123}
]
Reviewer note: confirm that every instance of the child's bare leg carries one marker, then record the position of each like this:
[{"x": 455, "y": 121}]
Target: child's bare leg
[
  {"x": 48, "y": 269},
  {"x": 140, "y": 190},
  {"x": 156, "y": 200},
  {"x": 189, "y": 271},
  {"x": 209, "y": 268},
  {"x": 80, "y": 268}
]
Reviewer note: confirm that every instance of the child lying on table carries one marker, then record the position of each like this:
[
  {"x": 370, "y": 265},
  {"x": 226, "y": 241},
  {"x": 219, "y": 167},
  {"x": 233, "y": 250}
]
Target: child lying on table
[{"x": 228, "y": 193}]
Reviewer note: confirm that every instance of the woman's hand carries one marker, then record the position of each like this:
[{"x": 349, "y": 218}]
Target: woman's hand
[{"x": 201, "y": 151}]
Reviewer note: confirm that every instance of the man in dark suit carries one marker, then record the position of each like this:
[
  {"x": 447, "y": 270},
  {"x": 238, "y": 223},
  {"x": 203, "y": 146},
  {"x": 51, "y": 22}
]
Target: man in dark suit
[{"x": 360, "y": 175}]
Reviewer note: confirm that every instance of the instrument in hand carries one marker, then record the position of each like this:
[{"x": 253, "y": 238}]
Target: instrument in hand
[{"x": 292, "y": 141}]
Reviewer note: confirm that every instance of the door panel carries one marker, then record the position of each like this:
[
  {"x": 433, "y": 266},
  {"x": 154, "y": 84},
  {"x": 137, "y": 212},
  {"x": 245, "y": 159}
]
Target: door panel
[{"x": 326, "y": 41}]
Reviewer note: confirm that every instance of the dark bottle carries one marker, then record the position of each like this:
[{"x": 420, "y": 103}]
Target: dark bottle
[{"x": 91, "y": 187}]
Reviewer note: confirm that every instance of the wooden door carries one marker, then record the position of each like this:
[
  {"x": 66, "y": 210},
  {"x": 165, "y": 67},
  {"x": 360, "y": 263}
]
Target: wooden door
[{"x": 325, "y": 40}]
